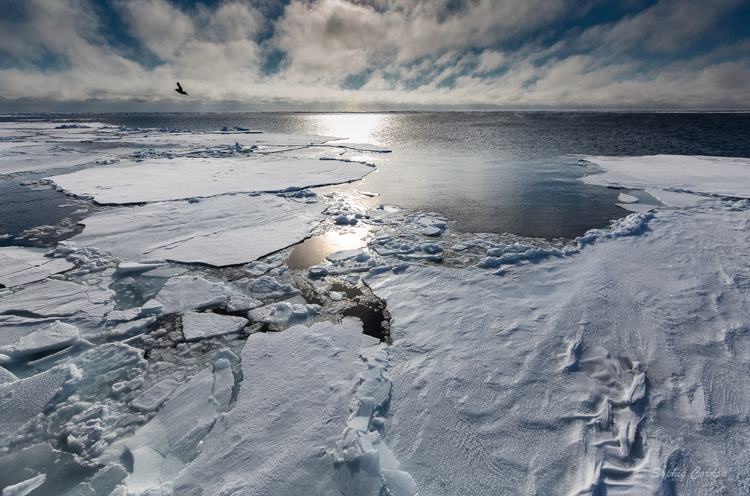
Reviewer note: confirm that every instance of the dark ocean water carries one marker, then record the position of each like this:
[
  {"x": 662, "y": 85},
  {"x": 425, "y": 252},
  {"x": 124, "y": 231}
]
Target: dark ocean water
[{"x": 491, "y": 171}]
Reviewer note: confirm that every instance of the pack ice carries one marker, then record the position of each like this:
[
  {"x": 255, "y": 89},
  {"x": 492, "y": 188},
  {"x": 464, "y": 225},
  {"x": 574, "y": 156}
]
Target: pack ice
[
  {"x": 131, "y": 361},
  {"x": 123, "y": 363}
]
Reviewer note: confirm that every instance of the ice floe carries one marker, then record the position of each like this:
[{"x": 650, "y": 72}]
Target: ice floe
[
  {"x": 223, "y": 230},
  {"x": 710, "y": 175},
  {"x": 182, "y": 178},
  {"x": 52, "y": 297},
  {"x": 196, "y": 326},
  {"x": 54, "y": 336}
]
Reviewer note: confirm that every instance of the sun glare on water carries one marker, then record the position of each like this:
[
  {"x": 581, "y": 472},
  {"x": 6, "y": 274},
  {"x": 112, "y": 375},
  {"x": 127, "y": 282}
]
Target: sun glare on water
[{"x": 354, "y": 128}]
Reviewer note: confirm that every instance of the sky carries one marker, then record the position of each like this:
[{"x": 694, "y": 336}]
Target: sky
[{"x": 363, "y": 55}]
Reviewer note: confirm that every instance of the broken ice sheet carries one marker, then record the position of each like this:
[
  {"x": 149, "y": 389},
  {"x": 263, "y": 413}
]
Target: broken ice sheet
[
  {"x": 172, "y": 439},
  {"x": 21, "y": 265},
  {"x": 295, "y": 396},
  {"x": 220, "y": 231},
  {"x": 197, "y": 326},
  {"x": 59, "y": 298}
]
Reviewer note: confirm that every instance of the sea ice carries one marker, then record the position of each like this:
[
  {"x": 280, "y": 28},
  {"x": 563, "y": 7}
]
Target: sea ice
[
  {"x": 196, "y": 326},
  {"x": 59, "y": 298},
  {"x": 677, "y": 199},
  {"x": 546, "y": 379},
  {"x": 20, "y": 265},
  {"x": 25, "y": 398},
  {"x": 223, "y": 230},
  {"x": 285, "y": 313},
  {"x": 711, "y": 175},
  {"x": 173, "y": 438},
  {"x": 50, "y": 337},
  {"x": 625, "y": 198},
  {"x": 637, "y": 207},
  {"x": 182, "y": 178},
  {"x": 293, "y": 403},
  {"x": 190, "y": 293},
  {"x": 25, "y": 487}
]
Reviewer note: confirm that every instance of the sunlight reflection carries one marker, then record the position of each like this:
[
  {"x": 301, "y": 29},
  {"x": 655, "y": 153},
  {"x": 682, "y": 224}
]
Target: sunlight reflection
[
  {"x": 313, "y": 250},
  {"x": 355, "y": 128}
]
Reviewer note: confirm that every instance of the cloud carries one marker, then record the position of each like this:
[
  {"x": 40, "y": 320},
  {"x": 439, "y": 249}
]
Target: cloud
[{"x": 373, "y": 53}]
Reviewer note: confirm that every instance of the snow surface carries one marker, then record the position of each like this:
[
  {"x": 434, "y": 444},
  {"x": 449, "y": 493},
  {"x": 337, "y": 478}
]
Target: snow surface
[{"x": 592, "y": 372}]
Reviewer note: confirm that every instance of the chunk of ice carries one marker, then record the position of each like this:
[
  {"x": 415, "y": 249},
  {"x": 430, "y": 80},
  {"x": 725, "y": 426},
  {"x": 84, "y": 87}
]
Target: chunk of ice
[
  {"x": 25, "y": 487},
  {"x": 20, "y": 265},
  {"x": 25, "y": 398},
  {"x": 197, "y": 326},
  {"x": 59, "y": 298},
  {"x": 190, "y": 293},
  {"x": 54, "y": 336},
  {"x": 625, "y": 198},
  {"x": 711, "y": 175}
]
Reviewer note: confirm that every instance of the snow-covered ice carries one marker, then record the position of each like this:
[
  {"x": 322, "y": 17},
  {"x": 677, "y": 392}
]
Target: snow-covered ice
[
  {"x": 24, "y": 399},
  {"x": 285, "y": 433},
  {"x": 222, "y": 230},
  {"x": 182, "y": 178},
  {"x": 54, "y": 336},
  {"x": 610, "y": 364},
  {"x": 710, "y": 175},
  {"x": 21, "y": 265},
  {"x": 52, "y": 297},
  {"x": 173, "y": 438},
  {"x": 494, "y": 377},
  {"x": 196, "y": 326}
]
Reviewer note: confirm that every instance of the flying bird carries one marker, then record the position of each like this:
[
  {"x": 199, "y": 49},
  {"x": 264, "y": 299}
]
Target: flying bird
[{"x": 180, "y": 90}]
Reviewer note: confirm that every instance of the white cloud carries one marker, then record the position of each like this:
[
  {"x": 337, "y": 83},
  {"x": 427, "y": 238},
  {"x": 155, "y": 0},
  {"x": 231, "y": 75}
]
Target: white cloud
[
  {"x": 411, "y": 53},
  {"x": 162, "y": 28}
]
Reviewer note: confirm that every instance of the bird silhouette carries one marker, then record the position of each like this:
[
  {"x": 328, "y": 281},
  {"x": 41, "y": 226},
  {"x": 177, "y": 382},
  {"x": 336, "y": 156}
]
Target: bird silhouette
[{"x": 180, "y": 90}]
